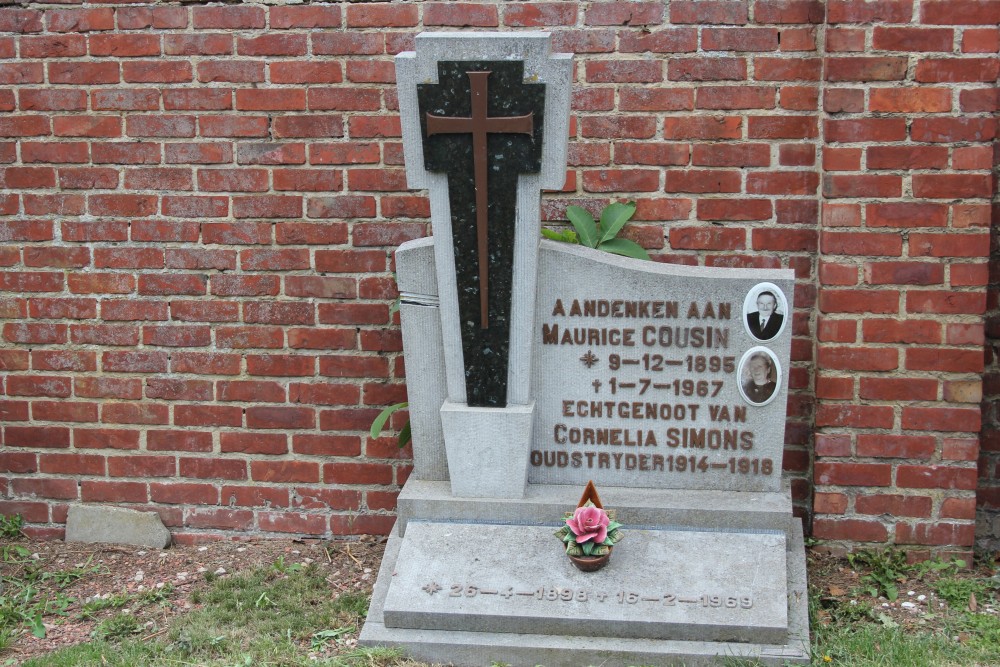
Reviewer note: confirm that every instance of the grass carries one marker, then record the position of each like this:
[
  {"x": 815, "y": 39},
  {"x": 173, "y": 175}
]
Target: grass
[
  {"x": 280, "y": 616},
  {"x": 283, "y": 615}
]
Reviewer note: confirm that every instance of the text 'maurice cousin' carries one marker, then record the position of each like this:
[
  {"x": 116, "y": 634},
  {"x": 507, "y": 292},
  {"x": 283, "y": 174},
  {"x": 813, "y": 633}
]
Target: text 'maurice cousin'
[{"x": 656, "y": 396}]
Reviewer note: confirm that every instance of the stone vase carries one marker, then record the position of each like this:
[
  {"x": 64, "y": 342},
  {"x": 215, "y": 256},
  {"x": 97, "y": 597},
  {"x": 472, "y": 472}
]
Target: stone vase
[{"x": 487, "y": 449}]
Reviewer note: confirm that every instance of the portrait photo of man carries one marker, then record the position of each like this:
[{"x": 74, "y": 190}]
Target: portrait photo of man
[{"x": 765, "y": 322}]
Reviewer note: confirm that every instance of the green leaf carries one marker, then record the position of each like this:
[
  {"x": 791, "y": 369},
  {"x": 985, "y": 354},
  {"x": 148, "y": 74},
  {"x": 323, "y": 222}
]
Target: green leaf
[
  {"x": 613, "y": 526},
  {"x": 574, "y": 550},
  {"x": 624, "y": 247},
  {"x": 588, "y": 547},
  {"x": 383, "y": 417},
  {"x": 404, "y": 435},
  {"x": 601, "y": 550},
  {"x": 584, "y": 224},
  {"x": 613, "y": 218},
  {"x": 565, "y": 236},
  {"x": 37, "y": 627}
]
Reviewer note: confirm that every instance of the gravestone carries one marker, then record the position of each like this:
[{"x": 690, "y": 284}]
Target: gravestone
[{"x": 534, "y": 366}]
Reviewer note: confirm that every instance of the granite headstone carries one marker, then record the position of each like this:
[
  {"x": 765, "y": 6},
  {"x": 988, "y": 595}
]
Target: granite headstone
[{"x": 553, "y": 365}]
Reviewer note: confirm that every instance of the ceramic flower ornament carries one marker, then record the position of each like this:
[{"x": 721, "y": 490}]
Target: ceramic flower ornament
[{"x": 589, "y": 523}]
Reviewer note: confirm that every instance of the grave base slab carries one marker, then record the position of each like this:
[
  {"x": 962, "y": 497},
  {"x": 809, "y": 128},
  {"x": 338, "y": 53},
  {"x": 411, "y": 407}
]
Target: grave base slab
[{"x": 467, "y": 634}]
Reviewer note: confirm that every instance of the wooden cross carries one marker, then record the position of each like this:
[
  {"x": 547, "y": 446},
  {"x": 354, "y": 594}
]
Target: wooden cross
[{"x": 480, "y": 124}]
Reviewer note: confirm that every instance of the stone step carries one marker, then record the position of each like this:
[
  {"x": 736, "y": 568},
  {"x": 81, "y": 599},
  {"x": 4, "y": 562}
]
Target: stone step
[
  {"x": 679, "y": 584},
  {"x": 635, "y": 507}
]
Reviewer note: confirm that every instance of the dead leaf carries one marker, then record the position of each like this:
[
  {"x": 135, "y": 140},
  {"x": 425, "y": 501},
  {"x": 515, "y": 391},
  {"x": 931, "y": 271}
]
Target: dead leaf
[
  {"x": 963, "y": 637},
  {"x": 837, "y": 591},
  {"x": 973, "y": 605}
]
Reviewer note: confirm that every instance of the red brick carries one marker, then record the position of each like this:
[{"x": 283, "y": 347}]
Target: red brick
[
  {"x": 945, "y": 301},
  {"x": 248, "y": 337},
  {"x": 935, "y": 477},
  {"x": 942, "y": 419},
  {"x": 205, "y": 44},
  {"x": 853, "y": 474},
  {"x": 539, "y": 14},
  {"x": 49, "y": 437},
  {"x": 179, "y": 441},
  {"x": 858, "y": 359},
  {"x": 105, "y": 438},
  {"x": 852, "y": 186},
  {"x": 950, "y": 130},
  {"x": 861, "y": 11},
  {"x": 971, "y": 12},
  {"x": 283, "y": 99},
  {"x": 289, "y": 522},
  {"x": 829, "y": 503},
  {"x": 460, "y": 14},
  {"x": 615, "y": 180},
  {"x": 949, "y": 245},
  {"x": 51, "y": 100},
  {"x": 706, "y": 69},
  {"x": 742, "y": 210},
  {"x": 280, "y": 365},
  {"x": 856, "y": 416},
  {"x": 707, "y": 238},
  {"x": 81, "y": 20},
  {"x": 205, "y": 363},
  {"x": 624, "y": 71},
  {"x": 910, "y": 39},
  {"x": 936, "y": 534},
  {"x": 381, "y": 15},
  {"x": 958, "y": 508},
  {"x": 899, "y": 389},
  {"x": 208, "y": 415},
  {"x": 357, "y": 473},
  {"x": 652, "y": 99},
  {"x": 949, "y": 361},
  {"x": 956, "y": 70},
  {"x": 285, "y": 471},
  {"x": 906, "y": 214},
  {"x": 96, "y": 491},
  {"x": 894, "y": 504},
  {"x": 980, "y": 40},
  {"x": 141, "y": 466},
  {"x": 253, "y": 443},
  {"x": 623, "y": 128},
  {"x": 670, "y": 40},
  {"x": 904, "y": 273},
  {"x": 326, "y": 445},
  {"x": 896, "y": 446},
  {"x": 183, "y": 493},
  {"x": 244, "y": 71},
  {"x": 255, "y": 496},
  {"x": 715, "y": 12},
  {"x": 20, "y": 20},
  {"x": 868, "y": 68},
  {"x": 315, "y": 16},
  {"x": 228, "y": 18}
]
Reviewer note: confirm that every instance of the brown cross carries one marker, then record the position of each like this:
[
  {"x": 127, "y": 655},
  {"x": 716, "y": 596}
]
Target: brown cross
[{"x": 479, "y": 125}]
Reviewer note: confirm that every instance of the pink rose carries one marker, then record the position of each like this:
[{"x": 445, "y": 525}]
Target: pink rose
[{"x": 589, "y": 523}]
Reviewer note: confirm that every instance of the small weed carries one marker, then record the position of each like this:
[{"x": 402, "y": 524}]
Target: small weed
[
  {"x": 10, "y": 526},
  {"x": 116, "y": 601},
  {"x": 355, "y": 604},
  {"x": 886, "y": 568},
  {"x": 320, "y": 640},
  {"x": 121, "y": 625},
  {"x": 281, "y": 566},
  {"x": 958, "y": 592},
  {"x": 156, "y": 594}
]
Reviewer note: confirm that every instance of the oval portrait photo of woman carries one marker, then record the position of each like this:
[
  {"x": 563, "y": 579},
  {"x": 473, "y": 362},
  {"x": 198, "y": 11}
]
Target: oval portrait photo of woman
[
  {"x": 765, "y": 311},
  {"x": 760, "y": 376}
]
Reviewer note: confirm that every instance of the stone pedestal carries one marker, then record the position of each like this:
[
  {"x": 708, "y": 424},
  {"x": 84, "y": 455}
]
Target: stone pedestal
[{"x": 470, "y": 592}]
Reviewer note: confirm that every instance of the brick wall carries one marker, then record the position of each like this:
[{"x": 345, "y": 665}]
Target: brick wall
[{"x": 201, "y": 204}]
